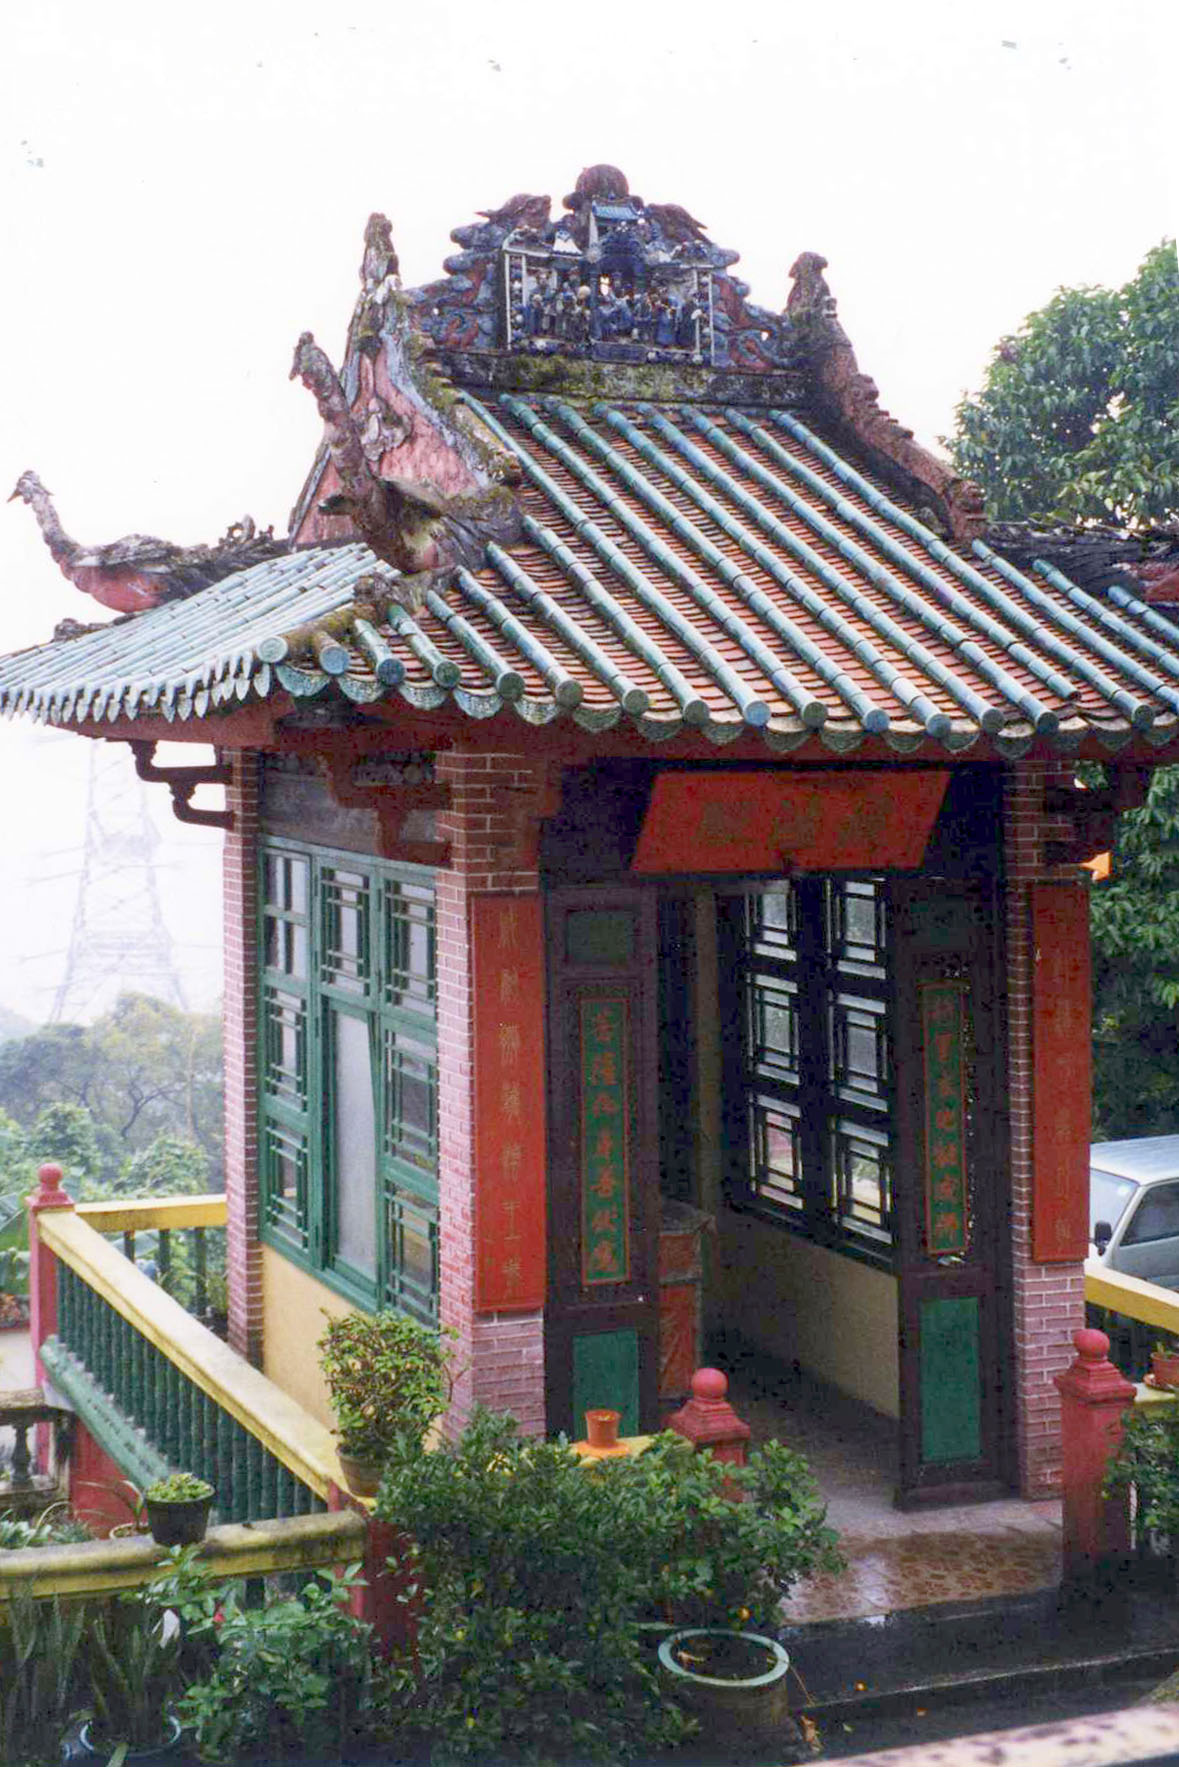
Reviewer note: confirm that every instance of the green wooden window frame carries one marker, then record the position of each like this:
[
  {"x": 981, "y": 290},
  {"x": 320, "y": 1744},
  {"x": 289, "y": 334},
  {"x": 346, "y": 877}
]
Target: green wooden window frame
[
  {"x": 348, "y": 961},
  {"x": 810, "y": 1092}
]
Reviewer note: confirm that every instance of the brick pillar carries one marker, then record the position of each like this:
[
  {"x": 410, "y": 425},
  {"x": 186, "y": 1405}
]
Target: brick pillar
[
  {"x": 1048, "y": 1299},
  {"x": 239, "y": 1016},
  {"x": 491, "y": 827}
]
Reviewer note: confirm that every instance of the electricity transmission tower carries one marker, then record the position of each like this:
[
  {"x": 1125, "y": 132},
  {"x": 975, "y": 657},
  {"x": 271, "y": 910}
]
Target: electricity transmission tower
[{"x": 118, "y": 941}]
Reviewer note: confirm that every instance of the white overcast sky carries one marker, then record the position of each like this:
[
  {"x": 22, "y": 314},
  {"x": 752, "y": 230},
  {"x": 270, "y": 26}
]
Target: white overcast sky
[{"x": 184, "y": 190}]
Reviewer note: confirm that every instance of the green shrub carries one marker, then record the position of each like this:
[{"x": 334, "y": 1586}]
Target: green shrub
[
  {"x": 1148, "y": 1460},
  {"x": 386, "y": 1374},
  {"x": 712, "y": 1544},
  {"x": 526, "y": 1646},
  {"x": 293, "y": 1677}
]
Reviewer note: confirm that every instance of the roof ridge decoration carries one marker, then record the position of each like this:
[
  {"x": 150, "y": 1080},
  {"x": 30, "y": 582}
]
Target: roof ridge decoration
[
  {"x": 852, "y": 399},
  {"x": 613, "y": 279},
  {"x": 139, "y": 571}
]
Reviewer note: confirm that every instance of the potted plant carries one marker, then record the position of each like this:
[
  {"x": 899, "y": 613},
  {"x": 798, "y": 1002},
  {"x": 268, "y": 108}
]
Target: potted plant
[
  {"x": 178, "y": 1509},
  {"x": 131, "y": 1652},
  {"x": 714, "y": 1548},
  {"x": 1164, "y": 1361},
  {"x": 387, "y": 1377}
]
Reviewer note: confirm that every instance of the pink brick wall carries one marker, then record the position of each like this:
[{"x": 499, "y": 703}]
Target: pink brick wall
[
  {"x": 1048, "y": 1299},
  {"x": 501, "y": 1354},
  {"x": 240, "y": 1027}
]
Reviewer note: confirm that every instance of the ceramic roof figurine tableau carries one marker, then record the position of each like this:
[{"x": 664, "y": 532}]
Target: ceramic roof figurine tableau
[{"x": 582, "y": 478}]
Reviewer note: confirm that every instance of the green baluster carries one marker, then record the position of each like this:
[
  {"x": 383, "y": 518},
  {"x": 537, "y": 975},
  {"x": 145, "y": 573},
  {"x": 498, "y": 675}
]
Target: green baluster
[
  {"x": 164, "y": 1259},
  {"x": 151, "y": 1393},
  {"x": 170, "y": 1422},
  {"x": 105, "y": 1346},
  {"x": 224, "y": 1480},
  {"x": 136, "y": 1378},
  {"x": 284, "y": 1502},
  {"x": 200, "y": 1265},
  {"x": 122, "y": 1334},
  {"x": 241, "y": 1474},
  {"x": 129, "y": 1243},
  {"x": 268, "y": 1487}
]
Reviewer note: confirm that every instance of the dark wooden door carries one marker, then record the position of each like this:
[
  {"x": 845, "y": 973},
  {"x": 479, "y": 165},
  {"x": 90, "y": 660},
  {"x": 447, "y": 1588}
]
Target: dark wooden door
[
  {"x": 602, "y": 1317},
  {"x": 951, "y": 1191}
]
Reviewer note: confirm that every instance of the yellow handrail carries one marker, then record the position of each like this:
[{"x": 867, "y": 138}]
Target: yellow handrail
[
  {"x": 237, "y": 1549},
  {"x": 291, "y": 1434},
  {"x": 1131, "y": 1297},
  {"x": 141, "y": 1214}
]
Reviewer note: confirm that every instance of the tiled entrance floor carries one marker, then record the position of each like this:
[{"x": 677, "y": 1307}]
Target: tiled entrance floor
[{"x": 897, "y": 1559}]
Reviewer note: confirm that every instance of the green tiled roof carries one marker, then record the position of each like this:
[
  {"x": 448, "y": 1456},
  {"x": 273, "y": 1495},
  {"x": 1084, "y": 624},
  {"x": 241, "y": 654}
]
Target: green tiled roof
[{"x": 719, "y": 569}]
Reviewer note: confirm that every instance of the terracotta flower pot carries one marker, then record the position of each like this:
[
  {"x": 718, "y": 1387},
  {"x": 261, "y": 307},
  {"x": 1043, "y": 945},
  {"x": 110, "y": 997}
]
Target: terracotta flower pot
[
  {"x": 601, "y": 1428},
  {"x": 363, "y": 1477},
  {"x": 1164, "y": 1365}
]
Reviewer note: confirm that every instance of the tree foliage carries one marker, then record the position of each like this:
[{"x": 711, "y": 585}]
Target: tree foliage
[
  {"x": 1078, "y": 418},
  {"x": 142, "y": 1071},
  {"x": 1135, "y": 922}
]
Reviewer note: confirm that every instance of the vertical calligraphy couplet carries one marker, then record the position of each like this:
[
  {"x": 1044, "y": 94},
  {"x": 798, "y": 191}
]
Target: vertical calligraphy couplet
[
  {"x": 1061, "y": 1072},
  {"x": 943, "y": 1010},
  {"x": 507, "y": 935},
  {"x": 605, "y": 1138}
]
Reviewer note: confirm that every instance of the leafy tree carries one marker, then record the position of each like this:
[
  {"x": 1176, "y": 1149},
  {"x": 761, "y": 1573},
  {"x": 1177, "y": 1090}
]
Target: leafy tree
[
  {"x": 1135, "y": 922},
  {"x": 167, "y": 1166},
  {"x": 1078, "y": 418},
  {"x": 143, "y": 1070}
]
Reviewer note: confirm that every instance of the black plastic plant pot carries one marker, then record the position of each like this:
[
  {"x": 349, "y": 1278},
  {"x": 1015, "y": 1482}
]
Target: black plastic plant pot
[{"x": 178, "y": 1523}]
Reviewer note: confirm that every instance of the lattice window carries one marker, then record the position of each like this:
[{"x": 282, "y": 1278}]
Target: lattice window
[
  {"x": 812, "y": 1142},
  {"x": 348, "y": 1072}
]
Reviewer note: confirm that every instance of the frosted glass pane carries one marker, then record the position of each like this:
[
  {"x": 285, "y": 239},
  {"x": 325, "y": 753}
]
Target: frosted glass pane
[{"x": 355, "y": 1144}]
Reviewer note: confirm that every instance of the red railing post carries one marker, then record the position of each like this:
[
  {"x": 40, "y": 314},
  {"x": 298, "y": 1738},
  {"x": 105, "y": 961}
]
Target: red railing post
[
  {"x": 707, "y": 1420},
  {"x": 42, "y": 1263},
  {"x": 49, "y": 1194},
  {"x": 1093, "y": 1398},
  {"x": 379, "y": 1598}
]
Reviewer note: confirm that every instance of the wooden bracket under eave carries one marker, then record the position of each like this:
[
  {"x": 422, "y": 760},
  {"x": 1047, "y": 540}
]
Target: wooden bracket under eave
[
  {"x": 527, "y": 808},
  {"x": 182, "y": 782},
  {"x": 391, "y": 804},
  {"x": 1093, "y": 813}
]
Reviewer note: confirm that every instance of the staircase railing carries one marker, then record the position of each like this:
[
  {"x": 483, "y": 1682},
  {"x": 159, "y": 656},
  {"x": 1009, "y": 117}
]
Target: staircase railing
[{"x": 156, "y": 1389}]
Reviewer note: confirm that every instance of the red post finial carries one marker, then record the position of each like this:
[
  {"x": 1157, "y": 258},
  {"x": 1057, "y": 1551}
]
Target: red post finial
[
  {"x": 1093, "y": 1396},
  {"x": 709, "y": 1421},
  {"x": 50, "y": 1193}
]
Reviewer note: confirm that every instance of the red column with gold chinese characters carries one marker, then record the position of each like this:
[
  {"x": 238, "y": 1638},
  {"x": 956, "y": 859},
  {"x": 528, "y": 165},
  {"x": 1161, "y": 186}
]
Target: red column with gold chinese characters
[{"x": 507, "y": 938}]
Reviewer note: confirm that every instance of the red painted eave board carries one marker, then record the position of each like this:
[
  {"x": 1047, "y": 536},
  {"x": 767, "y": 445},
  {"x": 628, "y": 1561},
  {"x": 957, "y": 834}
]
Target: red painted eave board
[{"x": 782, "y": 821}]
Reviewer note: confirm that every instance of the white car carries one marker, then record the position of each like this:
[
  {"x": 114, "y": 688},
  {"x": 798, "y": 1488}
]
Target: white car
[{"x": 1134, "y": 1207}]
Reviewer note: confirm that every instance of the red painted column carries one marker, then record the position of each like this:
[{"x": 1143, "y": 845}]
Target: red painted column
[
  {"x": 491, "y": 1185},
  {"x": 42, "y": 1263},
  {"x": 1093, "y": 1399},
  {"x": 1048, "y": 1299},
  {"x": 239, "y": 1015}
]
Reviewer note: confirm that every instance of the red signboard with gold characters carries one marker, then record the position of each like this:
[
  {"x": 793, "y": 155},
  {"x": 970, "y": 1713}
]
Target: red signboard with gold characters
[
  {"x": 507, "y": 937},
  {"x": 747, "y": 820},
  {"x": 1061, "y": 1072}
]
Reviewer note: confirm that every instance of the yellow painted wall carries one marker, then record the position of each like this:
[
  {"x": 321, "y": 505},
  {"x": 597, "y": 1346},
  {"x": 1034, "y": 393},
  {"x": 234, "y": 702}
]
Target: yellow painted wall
[
  {"x": 293, "y": 1305},
  {"x": 800, "y": 1302}
]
